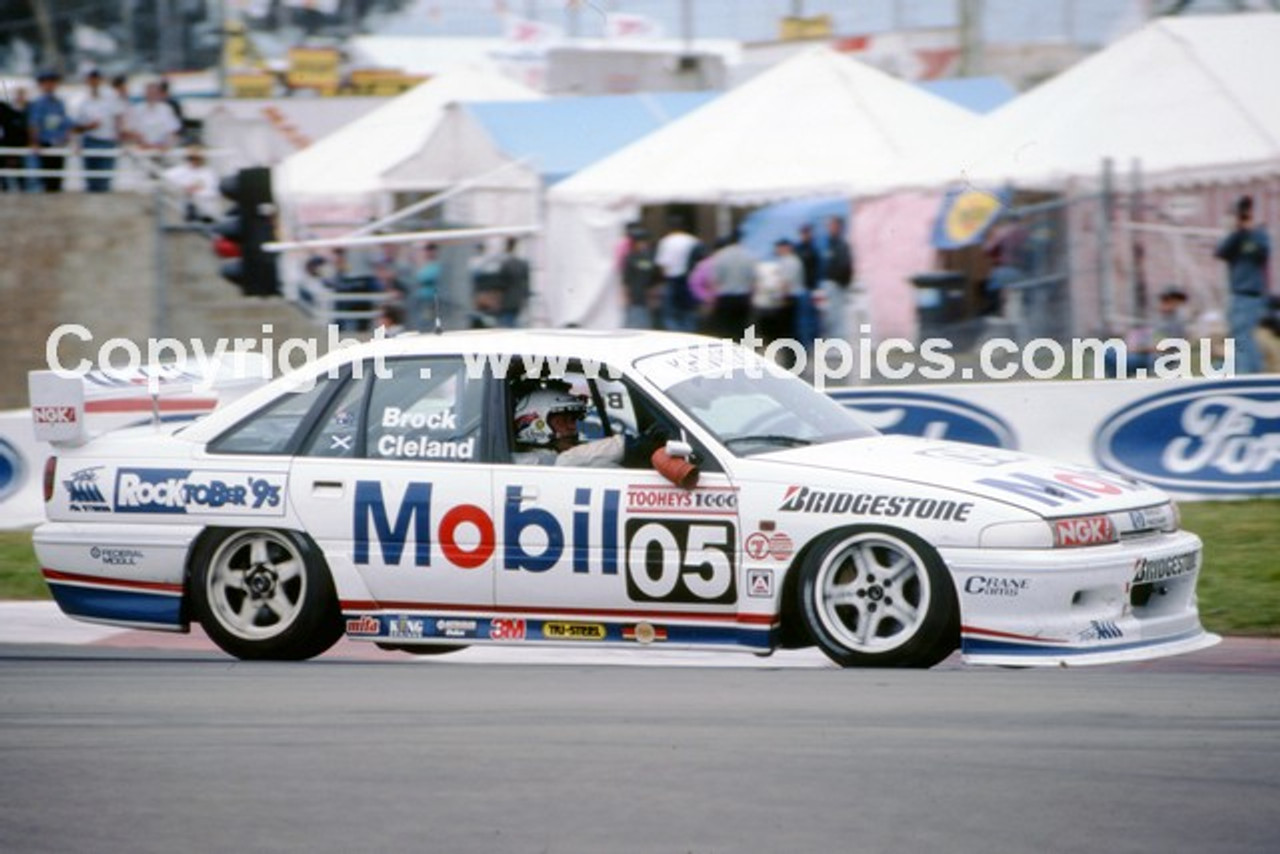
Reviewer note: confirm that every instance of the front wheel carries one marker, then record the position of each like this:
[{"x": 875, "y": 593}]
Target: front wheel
[
  {"x": 875, "y": 598},
  {"x": 265, "y": 594}
]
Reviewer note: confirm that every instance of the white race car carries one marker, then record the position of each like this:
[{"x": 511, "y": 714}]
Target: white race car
[{"x": 380, "y": 492}]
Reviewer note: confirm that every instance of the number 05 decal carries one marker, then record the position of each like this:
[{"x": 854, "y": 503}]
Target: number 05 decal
[{"x": 669, "y": 560}]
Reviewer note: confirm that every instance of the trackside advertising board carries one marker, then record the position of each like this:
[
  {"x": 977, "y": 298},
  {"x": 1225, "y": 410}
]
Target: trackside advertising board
[{"x": 1193, "y": 438}]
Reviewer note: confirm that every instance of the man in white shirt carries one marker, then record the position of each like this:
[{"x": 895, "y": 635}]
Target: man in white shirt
[
  {"x": 198, "y": 184},
  {"x": 674, "y": 255},
  {"x": 153, "y": 125},
  {"x": 98, "y": 118}
]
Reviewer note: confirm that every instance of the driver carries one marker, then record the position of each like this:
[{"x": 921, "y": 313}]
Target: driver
[{"x": 546, "y": 432}]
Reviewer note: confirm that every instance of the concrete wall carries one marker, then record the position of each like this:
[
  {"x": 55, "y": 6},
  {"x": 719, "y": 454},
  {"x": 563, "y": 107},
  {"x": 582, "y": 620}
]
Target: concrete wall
[{"x": 92, "y": 260}]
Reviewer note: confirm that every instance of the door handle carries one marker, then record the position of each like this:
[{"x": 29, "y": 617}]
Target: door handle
[{"x": 327, "y": 488}]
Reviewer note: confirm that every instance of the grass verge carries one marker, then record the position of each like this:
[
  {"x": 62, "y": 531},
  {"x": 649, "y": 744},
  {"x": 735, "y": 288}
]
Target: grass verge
[{"x": 1239, "y": 587}]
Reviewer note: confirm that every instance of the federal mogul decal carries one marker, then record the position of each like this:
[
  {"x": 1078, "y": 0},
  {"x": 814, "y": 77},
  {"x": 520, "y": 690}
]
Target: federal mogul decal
[
  {"x": 1149, "y": 570},
  {"x": 802, "y": 499},
  {"x": 176, "y": 491}
]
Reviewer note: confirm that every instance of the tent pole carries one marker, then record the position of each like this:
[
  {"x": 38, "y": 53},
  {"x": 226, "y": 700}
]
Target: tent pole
[{"x": 1106, "y": 283}]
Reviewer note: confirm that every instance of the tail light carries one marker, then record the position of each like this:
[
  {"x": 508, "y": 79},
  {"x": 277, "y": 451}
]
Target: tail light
[{"x": 50, "y": 477}]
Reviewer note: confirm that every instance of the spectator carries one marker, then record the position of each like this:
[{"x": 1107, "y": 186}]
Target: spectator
[
  {"x": 153, "y": 125},
  {"x": 640, "y": 278},
  {"x": 390, "y": 320},
  {"x": 1246, "y": 250},
  {"x": 733, "y": 269},
  {"x": 806, "y": 250},
  {"x": 837, "y": 277},
  {"x": 676, "y": 255},
  {"x": 773, "y": 300},
  {"x": 185, "y": 135},
  {"x": 50, "y": 128},
  {"x": 1006, "y": 248},
  {"x": 502, "y": 287},
  {"x": 98, "y": 118},
  {"x": 199, "y": 186},
  {"x": 427, "y": 293},
  {"x": 1143, "y": 343},
  {"x": 702, "y": 287},
  {"x": 14, "y": 133}
]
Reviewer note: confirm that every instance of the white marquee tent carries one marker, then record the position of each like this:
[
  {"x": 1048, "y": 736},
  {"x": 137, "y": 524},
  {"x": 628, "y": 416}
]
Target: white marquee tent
[
  {"x": 1187, "y": 97},
  {"x": 819, "y": 123},
  {"x": 340, "y": 175}
]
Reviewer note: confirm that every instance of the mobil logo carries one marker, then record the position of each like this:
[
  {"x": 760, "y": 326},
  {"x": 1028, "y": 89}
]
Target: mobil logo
[
  {"x": 533, "y": 538},
  {"x": 1213, "y": 437},
  {"x": 933, "y": 416}
]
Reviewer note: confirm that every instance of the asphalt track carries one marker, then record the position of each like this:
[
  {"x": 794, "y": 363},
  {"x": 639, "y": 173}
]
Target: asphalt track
[{"x": 115, "y": 742}]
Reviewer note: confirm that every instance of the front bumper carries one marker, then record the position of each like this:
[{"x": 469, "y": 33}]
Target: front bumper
[{"x": 1128, "y": 601}]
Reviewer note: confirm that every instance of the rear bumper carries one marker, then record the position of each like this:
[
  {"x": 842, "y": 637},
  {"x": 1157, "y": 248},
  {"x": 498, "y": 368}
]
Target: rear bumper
[
  {"x": 1129, "y": 601},
  {"x": 121, "y": 575}
]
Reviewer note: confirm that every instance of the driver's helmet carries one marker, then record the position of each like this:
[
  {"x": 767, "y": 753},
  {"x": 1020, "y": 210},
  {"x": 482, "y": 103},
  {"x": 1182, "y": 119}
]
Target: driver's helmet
[{"x": 535, "y": 408}]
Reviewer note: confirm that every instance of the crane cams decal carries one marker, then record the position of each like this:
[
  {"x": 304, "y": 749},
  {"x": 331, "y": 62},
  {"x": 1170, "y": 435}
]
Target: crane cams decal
[
  {"x": 933, "y": 416},
  {"x": 1221, "y": 437}
]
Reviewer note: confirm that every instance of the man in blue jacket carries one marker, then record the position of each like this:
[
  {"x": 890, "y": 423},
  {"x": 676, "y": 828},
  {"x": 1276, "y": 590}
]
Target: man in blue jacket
[{"x": 1246, "y": 251}]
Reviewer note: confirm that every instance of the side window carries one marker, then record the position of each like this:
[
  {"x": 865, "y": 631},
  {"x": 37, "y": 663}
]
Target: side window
[
  {"x": 338, "y": 430},
  {"x": 271, "y": 429},
  {"x": 428, "y": 409}
]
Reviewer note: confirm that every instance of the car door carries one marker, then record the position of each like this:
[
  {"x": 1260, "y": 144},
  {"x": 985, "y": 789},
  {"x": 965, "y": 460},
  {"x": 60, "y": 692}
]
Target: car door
[
  {"x": 392, "y": 483},
  {"x": 613, "y": 546}
]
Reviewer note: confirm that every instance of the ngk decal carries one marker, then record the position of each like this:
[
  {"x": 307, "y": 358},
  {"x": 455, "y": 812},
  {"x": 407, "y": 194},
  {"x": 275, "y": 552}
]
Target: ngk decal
[
  {"x": 54, "y": 414},
  {"x": 1083, "y": 531}
]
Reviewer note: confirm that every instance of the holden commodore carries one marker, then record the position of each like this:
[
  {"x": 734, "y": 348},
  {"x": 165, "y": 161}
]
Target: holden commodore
[{"x": 427, "y": 493}]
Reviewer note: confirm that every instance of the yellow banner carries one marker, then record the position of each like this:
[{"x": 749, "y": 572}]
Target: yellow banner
[
  {"x": 315, "y": 68},
  {"x": 797, "y": 29}
]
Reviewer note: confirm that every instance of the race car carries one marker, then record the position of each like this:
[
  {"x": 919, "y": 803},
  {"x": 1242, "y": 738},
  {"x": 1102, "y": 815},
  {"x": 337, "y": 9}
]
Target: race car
[{"x": 383, "y": 492}]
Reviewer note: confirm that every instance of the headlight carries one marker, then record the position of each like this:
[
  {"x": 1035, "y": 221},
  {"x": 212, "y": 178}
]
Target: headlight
[{"x": 1032, "y": 534}]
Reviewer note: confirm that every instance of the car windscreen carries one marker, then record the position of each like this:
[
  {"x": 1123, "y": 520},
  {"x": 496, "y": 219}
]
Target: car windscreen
[{"x": 752, "y": 407}]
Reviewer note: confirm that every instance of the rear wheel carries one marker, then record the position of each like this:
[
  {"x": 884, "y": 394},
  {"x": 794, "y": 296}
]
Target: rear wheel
[
  {"x": 874, "y": 598},
  {"x": 265, "y": 594}
]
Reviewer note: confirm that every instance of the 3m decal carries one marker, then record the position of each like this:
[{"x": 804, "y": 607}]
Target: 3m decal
[
  {"x": 802, "y": 499},
  {"x": 673, "y": 560},
  {"x": 507, "y": 630}
]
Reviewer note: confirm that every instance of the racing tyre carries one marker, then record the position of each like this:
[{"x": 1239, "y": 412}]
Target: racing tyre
[
  {"x": 265, "y": 594},
  {"x": 875, "y": 598},
  {"x": 421, "y": 648}
]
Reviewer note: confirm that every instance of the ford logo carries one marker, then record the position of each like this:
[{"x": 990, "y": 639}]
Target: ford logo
[
  {"x": 910, "y": 413},
  {"x": 1221, "y": 437},
  {"x": 11, "y": 470}
]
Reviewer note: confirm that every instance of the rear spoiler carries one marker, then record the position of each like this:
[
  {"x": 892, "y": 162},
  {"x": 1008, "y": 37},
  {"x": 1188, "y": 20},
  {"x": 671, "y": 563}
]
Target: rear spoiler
[{"x": 70, "y": 409}]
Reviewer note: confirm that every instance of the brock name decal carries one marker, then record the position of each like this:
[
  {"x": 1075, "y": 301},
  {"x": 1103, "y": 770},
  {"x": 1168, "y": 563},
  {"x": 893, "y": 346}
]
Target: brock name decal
[{"x": 664, "y": 559}]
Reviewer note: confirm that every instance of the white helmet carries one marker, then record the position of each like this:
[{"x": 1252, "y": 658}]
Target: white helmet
[{"x": 535, "y": 408}]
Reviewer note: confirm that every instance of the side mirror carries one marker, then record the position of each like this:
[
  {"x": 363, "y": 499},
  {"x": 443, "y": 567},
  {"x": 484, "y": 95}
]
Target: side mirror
[{"x": 679, "y": 449}]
